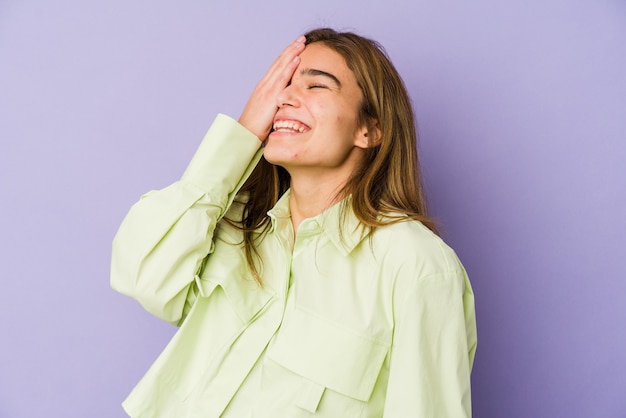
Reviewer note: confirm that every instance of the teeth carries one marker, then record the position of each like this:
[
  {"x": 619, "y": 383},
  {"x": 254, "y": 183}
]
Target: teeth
[{"x": 289, "y": 125}]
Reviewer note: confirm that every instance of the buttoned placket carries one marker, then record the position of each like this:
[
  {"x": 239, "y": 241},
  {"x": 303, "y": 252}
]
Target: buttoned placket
[
  {"x": 308, "y": 229},
  {"x": 281, "y": 234},
  {"x": 262, "y": 329}
]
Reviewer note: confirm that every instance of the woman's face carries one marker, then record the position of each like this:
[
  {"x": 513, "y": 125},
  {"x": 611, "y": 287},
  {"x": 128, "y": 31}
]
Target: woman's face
[{"x": 316, "y": 126}]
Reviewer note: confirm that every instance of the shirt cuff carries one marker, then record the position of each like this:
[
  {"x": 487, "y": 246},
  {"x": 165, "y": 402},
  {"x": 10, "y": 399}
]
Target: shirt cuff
[{"x": 225, "y": 157}]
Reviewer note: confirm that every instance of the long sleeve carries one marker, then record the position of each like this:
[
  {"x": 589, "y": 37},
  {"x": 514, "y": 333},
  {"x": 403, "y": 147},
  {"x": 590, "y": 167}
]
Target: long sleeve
[
  {"x": 433, "y": 348},
  {"x": 164, "y": 239}
]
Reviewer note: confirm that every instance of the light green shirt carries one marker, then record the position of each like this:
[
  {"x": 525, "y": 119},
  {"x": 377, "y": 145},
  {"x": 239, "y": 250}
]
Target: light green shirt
[{"x": 344, "y": 325}]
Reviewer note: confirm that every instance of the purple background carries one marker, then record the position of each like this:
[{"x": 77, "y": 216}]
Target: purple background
[{"x": 522, "y": 113}]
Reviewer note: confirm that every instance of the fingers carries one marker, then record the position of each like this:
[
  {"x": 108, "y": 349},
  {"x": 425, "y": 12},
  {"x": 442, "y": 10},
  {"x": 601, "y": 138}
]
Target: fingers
[
  {"x": 289, "y": 53},
  {"x": 259, "y": 112},
  {"x": 282, "y": 68}
]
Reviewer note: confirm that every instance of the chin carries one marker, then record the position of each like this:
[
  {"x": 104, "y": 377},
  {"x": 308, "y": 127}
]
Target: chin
[{"x": 273, "y": 156}]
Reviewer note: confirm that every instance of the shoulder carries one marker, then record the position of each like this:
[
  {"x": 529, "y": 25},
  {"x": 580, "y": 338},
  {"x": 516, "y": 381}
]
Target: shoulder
[
  {"x": 409, "y": 245},
  {"x": 420, "y": 266}
]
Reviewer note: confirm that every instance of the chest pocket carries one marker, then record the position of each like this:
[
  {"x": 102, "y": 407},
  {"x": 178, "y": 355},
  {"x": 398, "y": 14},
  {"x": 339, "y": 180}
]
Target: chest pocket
[{"x": 328, "y": 355}]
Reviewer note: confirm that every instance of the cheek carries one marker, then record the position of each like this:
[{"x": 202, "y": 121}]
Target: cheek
[{"x": 346, "y": 116}]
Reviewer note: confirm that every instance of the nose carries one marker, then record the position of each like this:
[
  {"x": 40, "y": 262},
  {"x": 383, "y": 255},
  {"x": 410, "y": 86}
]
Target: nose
[{"x": 288, "y": 97}]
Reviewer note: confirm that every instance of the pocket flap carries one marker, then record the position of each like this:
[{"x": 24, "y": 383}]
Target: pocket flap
[
  {"x": 223, "y": 269},
  {"x": 329, "y": 354}
]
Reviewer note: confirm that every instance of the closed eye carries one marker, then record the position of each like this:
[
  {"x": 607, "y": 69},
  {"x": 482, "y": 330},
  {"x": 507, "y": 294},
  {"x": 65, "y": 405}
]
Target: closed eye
[{"x": 317, "y": 86}]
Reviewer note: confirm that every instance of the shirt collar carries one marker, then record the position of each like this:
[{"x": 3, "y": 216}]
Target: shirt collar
[
  {"x": 338, "y": 223},
  {"x": 281, "y": 209}
]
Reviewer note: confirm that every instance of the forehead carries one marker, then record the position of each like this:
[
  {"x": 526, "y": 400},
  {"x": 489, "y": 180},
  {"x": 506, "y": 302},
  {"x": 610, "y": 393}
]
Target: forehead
[{"x": 318, "y": 56}]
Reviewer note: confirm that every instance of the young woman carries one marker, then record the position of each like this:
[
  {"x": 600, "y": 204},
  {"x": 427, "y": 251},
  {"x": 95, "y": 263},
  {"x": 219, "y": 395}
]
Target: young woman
[{"x": 297, "y": 258}]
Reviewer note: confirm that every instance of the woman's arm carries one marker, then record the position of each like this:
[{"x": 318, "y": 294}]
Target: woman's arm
[
  {"x": 165, "y": 238},
  {"x": 162, "y": 242},
  {"x": 433, "y": 348}
]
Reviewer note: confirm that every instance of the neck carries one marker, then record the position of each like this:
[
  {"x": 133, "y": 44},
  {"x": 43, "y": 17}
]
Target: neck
[{"x": 312, "y": 195}]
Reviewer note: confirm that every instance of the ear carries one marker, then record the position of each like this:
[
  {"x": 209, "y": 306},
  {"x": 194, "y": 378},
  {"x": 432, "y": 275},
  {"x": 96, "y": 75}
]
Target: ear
[{"x": 368, "y": 136}]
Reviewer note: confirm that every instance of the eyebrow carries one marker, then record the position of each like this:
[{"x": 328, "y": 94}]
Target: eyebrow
[{"x": 314, "y": 72}]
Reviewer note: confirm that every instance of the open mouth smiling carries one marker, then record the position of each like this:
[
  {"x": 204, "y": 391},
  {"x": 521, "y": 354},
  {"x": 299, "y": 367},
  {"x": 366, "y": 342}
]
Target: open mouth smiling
[{"x": 289, "y": 126}]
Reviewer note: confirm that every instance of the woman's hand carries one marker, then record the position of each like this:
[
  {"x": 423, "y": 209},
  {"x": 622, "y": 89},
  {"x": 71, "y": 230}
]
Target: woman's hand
[{"x": 258, "y": 115}]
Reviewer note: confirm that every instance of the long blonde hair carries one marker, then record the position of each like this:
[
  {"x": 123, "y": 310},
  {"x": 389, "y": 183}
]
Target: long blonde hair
[{"x": 388, "y": 180}]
